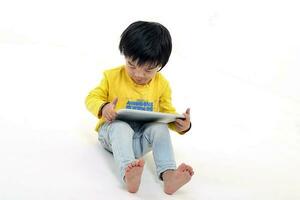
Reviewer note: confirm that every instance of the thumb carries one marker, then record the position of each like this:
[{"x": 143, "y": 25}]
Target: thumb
[
  {"x": 188, "y": 111},
  {"x": 115, "y": 101}
]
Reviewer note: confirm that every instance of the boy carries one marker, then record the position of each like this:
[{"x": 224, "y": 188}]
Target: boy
[{"x": 139, "y": 85}]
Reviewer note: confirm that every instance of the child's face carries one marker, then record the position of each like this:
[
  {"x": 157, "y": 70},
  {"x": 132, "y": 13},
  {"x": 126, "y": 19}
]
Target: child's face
[{"x": 141, "y": 75}]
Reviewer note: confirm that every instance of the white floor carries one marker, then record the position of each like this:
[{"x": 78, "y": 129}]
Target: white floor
[{"x": 237, "y": 162}]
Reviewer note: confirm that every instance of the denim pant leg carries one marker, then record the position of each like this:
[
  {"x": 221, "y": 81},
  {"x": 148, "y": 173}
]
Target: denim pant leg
[
  {"x": 157, "y": 136},
  {"x": 117, "y": 137}
]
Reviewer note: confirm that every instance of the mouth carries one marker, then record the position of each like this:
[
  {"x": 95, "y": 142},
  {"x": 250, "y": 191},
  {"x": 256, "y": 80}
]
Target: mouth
[{"x": 139, "y": 81}]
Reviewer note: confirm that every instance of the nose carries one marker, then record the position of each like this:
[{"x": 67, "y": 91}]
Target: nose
[{"x": 139, "y": 73}]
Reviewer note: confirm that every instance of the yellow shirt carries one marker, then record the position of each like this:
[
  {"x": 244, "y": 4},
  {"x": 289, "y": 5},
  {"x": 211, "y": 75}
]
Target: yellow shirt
[{"x": 154, "y": 96}]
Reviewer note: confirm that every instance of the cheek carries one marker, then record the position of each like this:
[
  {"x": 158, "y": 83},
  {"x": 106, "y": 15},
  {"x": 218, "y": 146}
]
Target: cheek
[
  {"x": 131, "y": 74},
  {"x": 151, "y": 77},
  {"x": 148, "y": 79}
]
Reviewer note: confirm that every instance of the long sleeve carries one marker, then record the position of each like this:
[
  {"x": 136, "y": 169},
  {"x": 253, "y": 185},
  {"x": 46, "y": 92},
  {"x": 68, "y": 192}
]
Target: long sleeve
[
  {"x": 97, "y": 97},
  {"x": 165, "y": 104},
  {"x": 165, "y": 100}
]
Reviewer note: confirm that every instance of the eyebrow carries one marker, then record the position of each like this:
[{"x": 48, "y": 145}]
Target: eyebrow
[
  {"x": 130, "y": 63},
  {"x": 147, "y": 68}
]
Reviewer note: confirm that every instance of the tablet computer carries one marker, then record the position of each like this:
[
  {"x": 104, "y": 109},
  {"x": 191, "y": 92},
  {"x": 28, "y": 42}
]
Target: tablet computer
[{"x": 147, "y": 116}]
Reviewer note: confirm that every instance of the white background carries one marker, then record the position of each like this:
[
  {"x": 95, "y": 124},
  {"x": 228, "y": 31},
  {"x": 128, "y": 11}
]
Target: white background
[{"x": 235, "y": 63}]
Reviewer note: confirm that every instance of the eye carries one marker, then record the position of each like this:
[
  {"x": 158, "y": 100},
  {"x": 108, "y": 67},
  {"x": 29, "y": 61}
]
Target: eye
[
  {"x": 151, "y": 70},
  {"x": 131, "y": 66}
]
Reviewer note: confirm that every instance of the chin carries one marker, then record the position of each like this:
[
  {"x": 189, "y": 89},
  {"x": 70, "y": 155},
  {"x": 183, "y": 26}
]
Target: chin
[{"x": 141, "y": 82}]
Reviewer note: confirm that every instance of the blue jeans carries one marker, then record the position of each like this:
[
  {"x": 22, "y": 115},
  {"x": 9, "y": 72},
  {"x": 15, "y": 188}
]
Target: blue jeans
[{"x": 131, "y": 140}]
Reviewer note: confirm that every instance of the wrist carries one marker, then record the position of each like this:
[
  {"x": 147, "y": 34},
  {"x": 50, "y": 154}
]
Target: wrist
[{"x": 101, "y": 109}]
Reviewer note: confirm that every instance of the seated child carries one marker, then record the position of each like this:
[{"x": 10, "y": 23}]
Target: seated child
[{"x": 139, "y": 85}]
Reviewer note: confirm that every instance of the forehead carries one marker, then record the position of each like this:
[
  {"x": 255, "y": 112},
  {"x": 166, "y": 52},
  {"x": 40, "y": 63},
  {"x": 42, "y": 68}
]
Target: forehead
[{"x": 135, "y": 63}]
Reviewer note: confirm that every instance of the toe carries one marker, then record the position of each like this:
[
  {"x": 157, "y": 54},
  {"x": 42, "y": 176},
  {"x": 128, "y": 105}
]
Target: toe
[
  {"x": 130, "y": 166},
  {"x": 189, "y": 168},
  {"x": 182, "y": 167},
  {"x": 141, "y": 163},
  {"x": 187, "y": 174}
]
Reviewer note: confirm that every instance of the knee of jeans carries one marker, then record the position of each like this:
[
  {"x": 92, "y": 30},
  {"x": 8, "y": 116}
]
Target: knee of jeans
[
  {"x": 159, "y": 129},
  {"x": 118, "y": 126}
]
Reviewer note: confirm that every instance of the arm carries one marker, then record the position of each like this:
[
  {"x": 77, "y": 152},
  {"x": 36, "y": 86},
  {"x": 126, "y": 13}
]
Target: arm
[
  {"x": 165, "y": 105},
  {"x": 97, "y": 98}
]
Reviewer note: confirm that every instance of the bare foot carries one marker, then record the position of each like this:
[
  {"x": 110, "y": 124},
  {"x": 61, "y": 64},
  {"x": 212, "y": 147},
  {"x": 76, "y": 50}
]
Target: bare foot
[
  {"x": 133, "y": 173},
  {"x": 173, "y": 180}
]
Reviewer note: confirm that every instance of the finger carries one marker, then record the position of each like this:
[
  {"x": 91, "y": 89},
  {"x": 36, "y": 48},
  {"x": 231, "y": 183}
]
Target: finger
[
  {"x": 111, "y": 110},
  {"x": 178, "y": 126},
  {"x": 107, "y": 119},
  {"x": 107, "y": 116},
  {"x": 114, "y": 102},
  {"x": 113, "y": 115},
  {"x": 178, "y": 129},
  {"x": 188, "y": 111},
  {"x": 183, "y": 126},
  {"x": 112, "y": 118},
  {"x": 110, "y": 107},
  {"x": 187, "y": 116},
  {"x": 179, "y": 122}
]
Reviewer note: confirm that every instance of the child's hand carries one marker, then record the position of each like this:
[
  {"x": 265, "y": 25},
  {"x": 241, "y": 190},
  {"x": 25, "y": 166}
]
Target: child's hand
[
  {"x": 108, "y": 111},
  {"x": 183, "y": 125}
]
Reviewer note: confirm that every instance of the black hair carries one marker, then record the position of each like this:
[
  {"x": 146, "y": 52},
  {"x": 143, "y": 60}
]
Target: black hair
[{"x": 146, "y": 43}]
